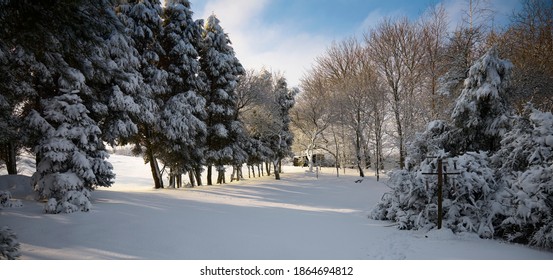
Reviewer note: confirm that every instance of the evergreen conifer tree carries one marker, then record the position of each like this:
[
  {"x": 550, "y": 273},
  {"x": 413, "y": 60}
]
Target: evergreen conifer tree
[
  {"x": 72, "y": 156},
  {"x": 69, "y": 70},
  {"x": 183, "y": 114},
  {"x": 481, "y": 114},
  {"x": 282, "y": 138},
  {"x": 221, "y": 70},
  {"x": 143, "y": 25}
]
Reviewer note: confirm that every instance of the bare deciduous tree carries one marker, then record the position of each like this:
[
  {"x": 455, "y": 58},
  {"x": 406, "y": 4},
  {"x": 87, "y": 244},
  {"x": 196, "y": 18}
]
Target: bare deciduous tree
[
  {"x": 342, "y": 66},
  {"x": 528, "y": 44},
  {"x": 397, "y": 53},
  {"x": 312, "y": 114}
]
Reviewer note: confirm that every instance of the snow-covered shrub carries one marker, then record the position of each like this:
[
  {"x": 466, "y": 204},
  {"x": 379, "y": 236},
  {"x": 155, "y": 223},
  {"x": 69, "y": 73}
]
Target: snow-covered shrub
[
  {"x": 72, "y": 155},
  {"x": 408, "y": 199},
  {"x": 468, "y": 198},
  {"x": 525, "y": 162},
  {"x": 430, "y": 142},
  {"x": 7, "y": 201},
  {"x": 4, "y": 198},
  {"x": 73, "y": 201},
  {"x": 470, "y": 203},
  {"x": 9, "y": 246}
]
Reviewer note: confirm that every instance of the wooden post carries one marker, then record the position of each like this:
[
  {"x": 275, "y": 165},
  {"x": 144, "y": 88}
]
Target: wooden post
[
  {"x": 440, "y": 184},
  {"x": 442, "y": 179}
]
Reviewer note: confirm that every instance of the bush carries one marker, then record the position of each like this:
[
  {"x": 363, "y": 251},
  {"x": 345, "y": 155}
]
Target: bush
[{"x": 9, "y": 246}]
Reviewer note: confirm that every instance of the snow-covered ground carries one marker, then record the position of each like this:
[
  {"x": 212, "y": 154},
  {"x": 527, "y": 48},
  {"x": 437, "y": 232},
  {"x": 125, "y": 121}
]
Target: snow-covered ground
[{"x": 299, "y": 217}]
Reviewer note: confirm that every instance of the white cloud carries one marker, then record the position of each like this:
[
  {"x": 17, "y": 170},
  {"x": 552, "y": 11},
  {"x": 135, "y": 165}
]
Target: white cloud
[
  {"x": 234, "y": 13},
  {"x": 292, "y": 54},
  {"x": 281, "y": 47},
  {"x": 496, "y": 12},
  {"x": 376, "y": 16},
  {"x": 492, "y": 12}
]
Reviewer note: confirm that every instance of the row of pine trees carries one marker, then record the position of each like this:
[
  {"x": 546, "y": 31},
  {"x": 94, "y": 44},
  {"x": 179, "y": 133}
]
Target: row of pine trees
[{"x": 76, "y": 74}]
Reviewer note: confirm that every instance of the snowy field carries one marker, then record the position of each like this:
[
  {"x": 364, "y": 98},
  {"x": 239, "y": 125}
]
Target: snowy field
[{"x": 300, "y": 217}]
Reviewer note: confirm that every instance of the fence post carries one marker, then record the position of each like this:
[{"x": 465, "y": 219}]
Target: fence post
[{"x": 440, "y": 184}]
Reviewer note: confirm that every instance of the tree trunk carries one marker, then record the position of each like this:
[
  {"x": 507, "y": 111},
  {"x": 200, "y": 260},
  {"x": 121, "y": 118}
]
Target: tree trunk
[
  {"x": 220, "y": 175},
  {"x": 179, "y": 181},
  {"x": 336, "y": 152},
  {"x": 358, "y": 153},
  {"x": 209, "y": 167},
  {"x": 268, "y": 167},
  {"x": 377, "y": 162},
  {"x": 310, "y": 157},
  {"x": 172, "y": 178},
  {"x": 38, "y": 158},
  {"x": 198, "y": 173},
  {"x": 344, "y": 154},
  {"x": 191, "y": 178},
  {"x": 11, "y": 159},
  {"x": 156, "y": 173},
  {"x": 400, "y": 136},
  {"x": 276, "y": 171},
  {"x": 260, "y": 170},
  {"x": 378, "y": 122},
  {"x": 367, "y": 153}
]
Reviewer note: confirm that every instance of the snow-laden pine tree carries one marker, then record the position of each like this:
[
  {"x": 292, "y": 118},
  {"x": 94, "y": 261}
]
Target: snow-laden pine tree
[
  {"x": 183, "y": 130},
  {"x": 281, "y": 138},
  {"x": 472, "y": 199},
  {"x": 92, "y": 42},
  {"x": 183, "y": 112},
  {"x": 13, "y": 91},
  {"x": 180, "y": 39},
  {"x": 71, "y": 157},
  {"x": 525, "y": 166},
  {"x": 70, "y": 65},
  {"x": 221, "y": 70},
  {"x": 481, "y": 115},
  {"x": 17, "y": 87},
  {"x": 115, "y": 81},
  {"x": 143, "y": 26}
]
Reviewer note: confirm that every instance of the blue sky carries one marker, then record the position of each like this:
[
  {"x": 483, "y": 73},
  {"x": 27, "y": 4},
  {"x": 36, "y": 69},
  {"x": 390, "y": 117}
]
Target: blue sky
[{"x": 287, "y": 35}]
